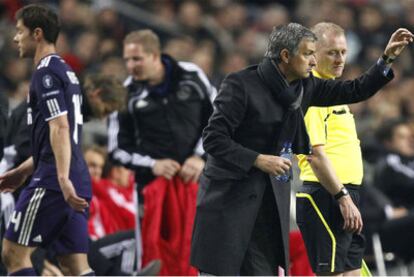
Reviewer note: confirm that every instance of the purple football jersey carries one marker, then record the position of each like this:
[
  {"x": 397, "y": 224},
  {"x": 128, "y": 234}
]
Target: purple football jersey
[{"x": 54, "y": 92}]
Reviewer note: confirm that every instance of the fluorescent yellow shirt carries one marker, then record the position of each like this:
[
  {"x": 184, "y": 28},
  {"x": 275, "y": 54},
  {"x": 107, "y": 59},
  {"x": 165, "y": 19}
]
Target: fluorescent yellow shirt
[{"x": 334, "y": 128}]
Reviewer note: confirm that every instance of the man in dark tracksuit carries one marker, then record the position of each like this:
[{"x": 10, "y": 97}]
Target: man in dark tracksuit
[
  {"x": 168, "y": 107},
  {"x": 242, "y": 220}
]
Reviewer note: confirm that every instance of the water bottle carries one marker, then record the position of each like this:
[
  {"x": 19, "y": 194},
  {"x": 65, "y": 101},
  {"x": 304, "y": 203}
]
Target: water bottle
[{"x": 286, "y": 153}]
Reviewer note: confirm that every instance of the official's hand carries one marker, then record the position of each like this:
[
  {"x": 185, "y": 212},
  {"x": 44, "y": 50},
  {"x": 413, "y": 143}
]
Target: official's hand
[
  {"x": 274, "y": 165},
  {"x": 11, "y": 180},
  {"x": 166, "y": 168},
  {"x": 69, "y": 193},
  {"x": 350, "y": 213},
  {"x": 399, "y": 39},
  {"x": 191, "y": 169}
]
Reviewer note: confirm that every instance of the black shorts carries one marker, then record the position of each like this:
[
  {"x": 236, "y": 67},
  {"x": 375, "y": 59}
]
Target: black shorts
[{"x": 330, "y": 248}]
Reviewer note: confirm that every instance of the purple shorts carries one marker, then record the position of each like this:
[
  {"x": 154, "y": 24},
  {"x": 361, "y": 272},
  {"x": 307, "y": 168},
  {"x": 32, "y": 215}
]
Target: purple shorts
[{"x": 43, "y": 218}]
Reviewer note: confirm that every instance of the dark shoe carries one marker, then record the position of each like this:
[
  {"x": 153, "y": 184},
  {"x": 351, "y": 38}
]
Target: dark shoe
[{"x": 151, "y": 269}]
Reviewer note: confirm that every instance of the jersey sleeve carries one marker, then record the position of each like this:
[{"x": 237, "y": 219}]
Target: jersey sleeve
[
  {"x": 50, "y": 98},
  {"x": 315, "y": 121}
]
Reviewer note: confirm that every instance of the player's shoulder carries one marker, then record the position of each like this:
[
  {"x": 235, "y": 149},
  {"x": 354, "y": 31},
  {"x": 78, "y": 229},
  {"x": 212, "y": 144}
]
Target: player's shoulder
[
  {"x": 54, "y": 65},
  {"x": 51, "y": 62}
]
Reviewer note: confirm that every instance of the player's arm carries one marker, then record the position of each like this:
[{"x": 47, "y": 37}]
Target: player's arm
[
  {"x": 324, "y": 171},
  {"x": 60, "y": 142},
  {"x": 14, "y": 178}
]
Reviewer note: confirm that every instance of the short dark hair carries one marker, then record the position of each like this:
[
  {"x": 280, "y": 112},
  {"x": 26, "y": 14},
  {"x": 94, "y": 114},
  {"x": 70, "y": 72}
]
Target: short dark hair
[
  {"x": 385, "y": 133},
  {"x": 38, "y": 16},
  {"x": 287, "y": 37}
]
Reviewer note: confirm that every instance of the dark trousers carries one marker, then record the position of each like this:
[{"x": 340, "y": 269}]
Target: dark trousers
[
  {"x": 113, "y": 255},
  {"x": 397, "y": 236},
  {"x": 265, "y": 251}
]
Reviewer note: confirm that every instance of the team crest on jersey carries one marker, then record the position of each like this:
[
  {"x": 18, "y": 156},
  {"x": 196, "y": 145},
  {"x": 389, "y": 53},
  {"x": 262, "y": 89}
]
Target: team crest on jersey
[{"x": 47, "y": 81}]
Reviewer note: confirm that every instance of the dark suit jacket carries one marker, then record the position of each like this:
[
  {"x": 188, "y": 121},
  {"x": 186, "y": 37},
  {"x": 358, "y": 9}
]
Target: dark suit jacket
[{"x": 246, "y": 121}]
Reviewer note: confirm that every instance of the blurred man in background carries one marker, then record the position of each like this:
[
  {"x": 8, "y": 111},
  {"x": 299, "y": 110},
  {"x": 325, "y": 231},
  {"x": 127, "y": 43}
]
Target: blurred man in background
[
  {"x": 389, "y": 207},
  {"x": 159, "y": 135},
  {"x": 168, "y": 107}
]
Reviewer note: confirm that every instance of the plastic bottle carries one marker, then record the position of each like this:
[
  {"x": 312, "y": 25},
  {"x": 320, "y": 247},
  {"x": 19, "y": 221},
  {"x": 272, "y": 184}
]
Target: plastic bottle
[{"x": 286, "y": 153}]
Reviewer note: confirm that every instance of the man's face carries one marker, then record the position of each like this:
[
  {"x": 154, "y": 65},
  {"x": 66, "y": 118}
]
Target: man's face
[
  {"x": 24, "y": 40},
  {"x": 302, "y": 63},
  {"x": 402, "y": 140},
  {"x": 139, "y": 63},
  {"x": 330, "y": 54},
  {"x": 95, "y": 162}
]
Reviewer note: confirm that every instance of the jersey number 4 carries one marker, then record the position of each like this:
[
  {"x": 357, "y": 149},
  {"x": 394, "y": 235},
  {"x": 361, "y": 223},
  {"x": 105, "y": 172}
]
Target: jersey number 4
[{"x": 15, "y": 219}]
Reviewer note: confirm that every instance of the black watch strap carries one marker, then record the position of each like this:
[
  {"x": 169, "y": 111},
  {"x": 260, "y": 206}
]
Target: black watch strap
[
  {"x": 387, "y": 59},
  {"x": 341, "y": 193}
]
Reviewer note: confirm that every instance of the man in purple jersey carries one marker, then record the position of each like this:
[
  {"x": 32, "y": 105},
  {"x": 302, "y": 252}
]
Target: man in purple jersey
[{"x": 52, "y": 209}]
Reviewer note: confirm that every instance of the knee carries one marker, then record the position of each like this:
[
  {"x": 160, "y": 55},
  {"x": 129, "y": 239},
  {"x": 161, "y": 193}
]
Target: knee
[
  {"x": 6, "y": 257},
  {"x": 12, "y": 257},
  {"x": 74, "y": 264}
]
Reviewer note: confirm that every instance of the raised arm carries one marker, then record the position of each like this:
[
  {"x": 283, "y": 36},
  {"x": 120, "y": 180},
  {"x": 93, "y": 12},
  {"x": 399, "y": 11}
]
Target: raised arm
[{"x": 329, "y": 92}]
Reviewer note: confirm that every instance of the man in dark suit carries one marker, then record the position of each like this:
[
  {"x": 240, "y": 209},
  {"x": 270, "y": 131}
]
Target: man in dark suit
[{"x": 242, "y": 220}]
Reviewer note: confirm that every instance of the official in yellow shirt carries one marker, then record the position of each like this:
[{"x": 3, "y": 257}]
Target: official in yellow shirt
[{"x": 327, "y": 204}]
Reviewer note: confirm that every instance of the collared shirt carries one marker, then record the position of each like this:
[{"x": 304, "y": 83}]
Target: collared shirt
[{"x": 334, "y": 128}]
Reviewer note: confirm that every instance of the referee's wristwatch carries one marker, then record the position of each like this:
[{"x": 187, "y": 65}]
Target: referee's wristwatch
[
  {"x": 387, "y": 59},
  {"x": 341, "y": 193}
]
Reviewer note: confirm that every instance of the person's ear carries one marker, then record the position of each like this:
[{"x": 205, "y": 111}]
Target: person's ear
[
  {"x": 37, "y": 34},
  {"x": 284, "y": 56}
]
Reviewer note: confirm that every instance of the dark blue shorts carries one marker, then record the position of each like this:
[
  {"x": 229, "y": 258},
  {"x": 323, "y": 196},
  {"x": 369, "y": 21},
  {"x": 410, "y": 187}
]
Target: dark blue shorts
[{"x": 43, "y": 218}]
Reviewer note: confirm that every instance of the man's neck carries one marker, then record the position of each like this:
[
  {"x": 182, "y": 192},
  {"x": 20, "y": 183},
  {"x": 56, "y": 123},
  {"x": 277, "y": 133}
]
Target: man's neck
[
  {"x": 43, "y": 50},
  {"x": 284, "y": 69},
  {"x": 159, "y": 75}
]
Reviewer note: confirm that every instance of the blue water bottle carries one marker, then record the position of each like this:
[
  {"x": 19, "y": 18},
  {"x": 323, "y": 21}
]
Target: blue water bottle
[{"x": 286, "y": 153}]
